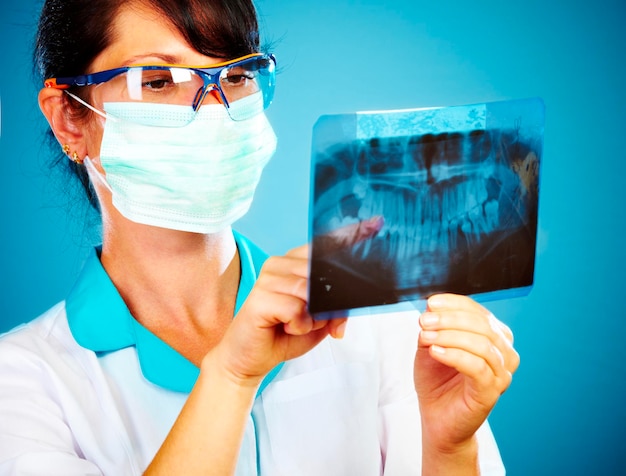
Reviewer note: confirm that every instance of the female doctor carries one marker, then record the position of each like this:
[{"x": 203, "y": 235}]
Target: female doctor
[{"x": 142, "y": 368}]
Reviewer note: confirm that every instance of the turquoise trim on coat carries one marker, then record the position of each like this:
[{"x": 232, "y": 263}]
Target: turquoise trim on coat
[{"x": 100, "y": 321}]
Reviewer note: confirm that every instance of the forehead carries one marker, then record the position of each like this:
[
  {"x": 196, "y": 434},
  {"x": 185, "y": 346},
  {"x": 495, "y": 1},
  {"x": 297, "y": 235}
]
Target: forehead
[{"x": 140, "y": 34}]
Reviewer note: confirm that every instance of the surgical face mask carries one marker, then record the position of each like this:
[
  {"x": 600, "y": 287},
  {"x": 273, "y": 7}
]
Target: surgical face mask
[{"x": 198, "y": 178}]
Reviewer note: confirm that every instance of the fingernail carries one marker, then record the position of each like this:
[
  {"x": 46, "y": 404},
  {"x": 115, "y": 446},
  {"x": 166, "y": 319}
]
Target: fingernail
[
  {"x": 377, "y": 222},
  {"x": 371, "y": 226},
  {"x": 428, "y": 319},
  {"x": 438, "y": 349},
  {"x": 340, "y": 330},
  {"x": 436, "y": 301},
  {"x": 429, "y": 335}
]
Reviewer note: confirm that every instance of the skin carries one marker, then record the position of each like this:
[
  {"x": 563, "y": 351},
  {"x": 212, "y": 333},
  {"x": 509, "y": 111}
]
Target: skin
[
  {"x": 182, "y": 286},
  {"x": 348, "y": 236}
]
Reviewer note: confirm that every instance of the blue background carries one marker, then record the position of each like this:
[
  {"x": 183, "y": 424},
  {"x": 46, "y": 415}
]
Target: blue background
[{"x": 565, "y": 412}]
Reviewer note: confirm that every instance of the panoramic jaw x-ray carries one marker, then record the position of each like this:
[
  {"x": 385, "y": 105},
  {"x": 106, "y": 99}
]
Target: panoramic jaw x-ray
[{"x": 405, "y": 204}]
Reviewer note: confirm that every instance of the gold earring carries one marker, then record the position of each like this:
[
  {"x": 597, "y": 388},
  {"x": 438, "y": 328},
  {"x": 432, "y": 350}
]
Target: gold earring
[
  {"x": 76, "y": 159},
  {"x": 66, "y": 149}
]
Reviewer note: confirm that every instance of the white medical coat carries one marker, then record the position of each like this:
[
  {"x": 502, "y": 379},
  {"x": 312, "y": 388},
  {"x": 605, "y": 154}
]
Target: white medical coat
[{"x": 347, "y": 407}]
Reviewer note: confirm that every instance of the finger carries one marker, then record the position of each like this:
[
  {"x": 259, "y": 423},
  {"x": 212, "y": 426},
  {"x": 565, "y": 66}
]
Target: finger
[
  {"x": 320, "y": 323},
  {"x": 299, "y": 324},
  {"x": 360, "y": 231},
  {"x": 296, "y": 321},
  {"x": 511, "y": 356},
  {"x": 299, "y": 252},
  {"x": 506, "y": 330},
  {"x": 290, "y": 285},
  {"x": 486, "y": 387},
  {"x": 474, "y": 320},
  {"x": 459, "y": 319},
  {"x": 476, "y": 344},
  {"x": 337, "y": 327},
  {"x": 288, "y": 264},
  {"x": 275, "y": 308},
  {"x": 347, "y": 236},
  {"x": 303, "y": 343},
  {"x": 445, "y": 302},
  {"x": 285, "y": 275},
  {"x": 293, "y": 313}
]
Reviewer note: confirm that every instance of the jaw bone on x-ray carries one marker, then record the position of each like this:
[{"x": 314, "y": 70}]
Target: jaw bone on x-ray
[{"x": 409, "y": 203}]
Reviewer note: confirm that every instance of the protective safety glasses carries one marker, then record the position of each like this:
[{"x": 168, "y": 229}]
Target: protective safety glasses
[{"x": 245, "y": 86}]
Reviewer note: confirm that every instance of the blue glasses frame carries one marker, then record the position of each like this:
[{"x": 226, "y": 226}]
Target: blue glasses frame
[{"x": 209, "y": 74}]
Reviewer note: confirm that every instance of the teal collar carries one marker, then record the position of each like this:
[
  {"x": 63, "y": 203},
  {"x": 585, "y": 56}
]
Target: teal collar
[{"x": 100, "y": 321}]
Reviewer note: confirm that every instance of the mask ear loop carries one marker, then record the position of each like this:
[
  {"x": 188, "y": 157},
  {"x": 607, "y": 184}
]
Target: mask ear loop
[
  {"x": 89, "y": 106},
  {"x": 94, "y": 172}
]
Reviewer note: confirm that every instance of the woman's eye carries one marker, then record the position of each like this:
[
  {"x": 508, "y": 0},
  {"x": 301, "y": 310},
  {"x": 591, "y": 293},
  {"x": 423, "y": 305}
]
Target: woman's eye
[
  {"x": 238, "y": 79},
  {"x": 156, "y": 84}
]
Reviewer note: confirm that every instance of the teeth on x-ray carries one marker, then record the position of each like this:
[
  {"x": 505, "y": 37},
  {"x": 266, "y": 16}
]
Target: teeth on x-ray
[{"x": 459, "y": 211}]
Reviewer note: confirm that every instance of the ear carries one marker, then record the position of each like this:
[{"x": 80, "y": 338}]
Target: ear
[{"x": 67, "y": 130}]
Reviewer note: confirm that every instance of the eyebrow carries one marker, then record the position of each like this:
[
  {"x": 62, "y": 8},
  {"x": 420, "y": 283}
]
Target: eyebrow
[{"x": 167, "y": 59}]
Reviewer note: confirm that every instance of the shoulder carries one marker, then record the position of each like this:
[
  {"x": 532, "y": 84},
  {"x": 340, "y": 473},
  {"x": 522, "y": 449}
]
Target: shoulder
[
  {"x": 44, "y": 346},
  {"x": 49, "y": 329},
  {"x": 32, "y": 336},
  {"x": 52, "y": 403}
]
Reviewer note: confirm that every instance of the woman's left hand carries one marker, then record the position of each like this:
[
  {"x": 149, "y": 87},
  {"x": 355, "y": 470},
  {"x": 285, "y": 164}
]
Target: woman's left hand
[{"x": 465, "y": 361}]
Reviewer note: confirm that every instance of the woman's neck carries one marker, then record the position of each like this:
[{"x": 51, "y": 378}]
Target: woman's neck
[{"x": 181, "y": 286}]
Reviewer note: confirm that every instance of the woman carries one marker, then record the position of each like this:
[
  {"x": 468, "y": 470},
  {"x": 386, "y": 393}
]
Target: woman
[{"x": 143, "y": 368}]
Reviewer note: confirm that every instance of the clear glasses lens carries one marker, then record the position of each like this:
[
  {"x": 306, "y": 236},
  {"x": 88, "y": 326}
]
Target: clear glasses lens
[{"x": 246, "y": 88}]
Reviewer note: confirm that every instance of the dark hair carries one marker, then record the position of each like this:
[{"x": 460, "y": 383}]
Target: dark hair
[{"x": 72, "y": 33}]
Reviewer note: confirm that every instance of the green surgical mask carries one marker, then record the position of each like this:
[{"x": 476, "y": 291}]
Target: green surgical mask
[{"x": 198, "y": 178}]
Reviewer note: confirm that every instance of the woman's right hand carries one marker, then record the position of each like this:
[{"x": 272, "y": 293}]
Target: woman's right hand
[{"x": 273, "y": 325}]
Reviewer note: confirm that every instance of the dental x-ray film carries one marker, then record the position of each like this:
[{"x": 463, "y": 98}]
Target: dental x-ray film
[{"x": 405, "y": 204}]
